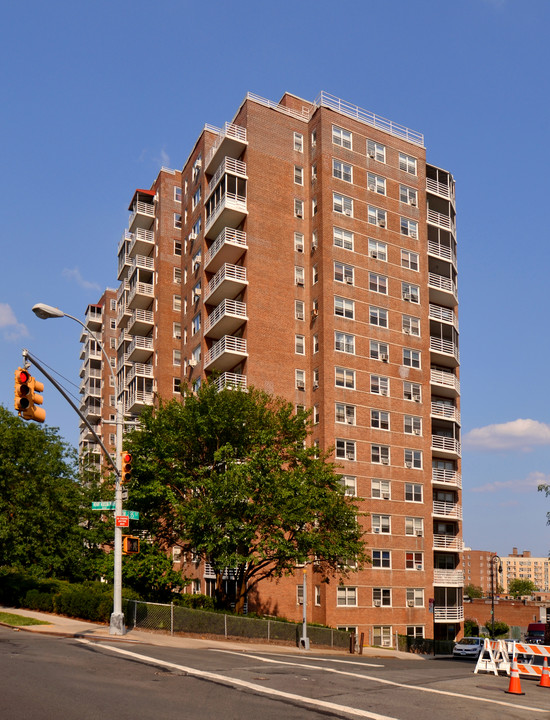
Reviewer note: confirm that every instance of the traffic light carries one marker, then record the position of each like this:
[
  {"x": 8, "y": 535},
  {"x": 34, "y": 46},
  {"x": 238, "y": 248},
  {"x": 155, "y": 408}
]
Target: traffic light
[
  {"x": 126, "y": 469},
  {"x": 27, "y": 397},
  {"x": 130, "y": 545}
]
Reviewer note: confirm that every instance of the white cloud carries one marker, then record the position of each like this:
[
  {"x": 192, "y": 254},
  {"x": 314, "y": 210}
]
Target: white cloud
[
  {"x": 521, "y": 434},
  {"x": 527, "y": 484},
  {"x": 74, "y": 274},
  {"x": 12, "y": 330}
]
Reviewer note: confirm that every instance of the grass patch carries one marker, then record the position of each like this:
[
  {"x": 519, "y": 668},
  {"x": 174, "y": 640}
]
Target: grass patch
[{"x": 20, "y": 620}]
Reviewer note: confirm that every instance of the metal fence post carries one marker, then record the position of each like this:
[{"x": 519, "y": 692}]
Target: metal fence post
[
  {"x": 268, "y": 630},
  {"x": 225, "y": 624},
  {"x": 171, "y": 618}
]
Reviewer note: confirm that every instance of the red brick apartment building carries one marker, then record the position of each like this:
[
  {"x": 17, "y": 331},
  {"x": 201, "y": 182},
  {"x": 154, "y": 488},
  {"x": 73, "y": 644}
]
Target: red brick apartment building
[{"x": 309, "y": 249}]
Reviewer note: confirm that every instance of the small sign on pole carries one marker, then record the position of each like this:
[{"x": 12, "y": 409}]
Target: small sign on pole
[
  {"x": 103, "y": 505},
  {"x": 132, "y": 514},
  {"x": 122, "y": 521}
]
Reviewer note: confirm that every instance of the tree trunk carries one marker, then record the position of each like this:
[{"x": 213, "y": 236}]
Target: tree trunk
[{"x": 240, "y": 590}]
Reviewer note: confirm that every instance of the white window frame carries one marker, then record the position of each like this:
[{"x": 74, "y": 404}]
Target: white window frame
[
  {"x": 342, "y": 238},
  {"x": 376, "y": 183},
  {"x": 298, "y": 175},
  {"x": 345, "y": 449},
  {"x": 412, "y": 391},
  {"x": 349, "y": 483},
  {"x": 346, "y": 596},
  {"x": 380, "y": 489},
  {"x": 298, "y": 208},
  {"x": 300, "y": 344},
  {"x": 415, "y": 596},
  {"x": 412, "y": 358},
  {"x": 376, "y": 151},
  {"x": 410, "y": 292},
  {"x": 414, "y": 492},
  {"x": 378, "y": 250},
  {"x": 379, "y": 385},
  {"x": 177, "y": 194},
  {"x": 378, "y": 316},
  {"x": 414, "y": 526},
  {"x": 379, "y": 350},
  {"x": 408, "y": 195},
  {"x": 342, "y": 204},
  {"x": 299, "y": 310},
  {"x": 416, "y": 562},
  {"x": 407, "y": 163},
  {"x": 344, "y": 414},
  {"x": 413, "y": 458},
  {"x": 379, "y": 419},
  {"x": 344, "y": 342},
  {"x": 378, "y": 283},
  {"x": 347, "y": 378},
  {"x": 178, "y": 220},
  {"x": 381, "y": 559},
  {"x": 300, "y": 379},
  {"x": 196, "y": 324},
  {"x": 299, "y": 243},
  {"x": 377, "y": 216},
  {"x": 380, "y": 454},
  {"x": 298, "y": 142},
  {"x": 412, "y": 425},
  {"x": 344, "y": 273},
  {"x": 342, "y": 170},
  {"x": 381, "y": 597},
  {"x": 344, "y": 307},
  {"x": 409, "y": 228},
  {"x": 410, "y": 260},
  {"x": 342, "y": 137},
  {"x": 381, "y": 524},
  {"x": 411, "y": 325},
  {"x": 299, "y": 278}
]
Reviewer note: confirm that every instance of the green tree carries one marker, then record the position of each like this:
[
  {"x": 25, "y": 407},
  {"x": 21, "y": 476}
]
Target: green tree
[
  {"x": 521, "y": 586},
  {"x": 473, "y": 591},
  {"x": 228, "y": 475},
  {"x": 44, "y": 525}
]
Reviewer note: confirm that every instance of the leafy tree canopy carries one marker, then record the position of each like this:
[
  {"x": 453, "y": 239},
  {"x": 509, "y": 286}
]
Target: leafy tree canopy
[
  {"x": 473, "y": 591},
  {"x": 521, "y": 586},
  {"x": 228, "y": 474}
]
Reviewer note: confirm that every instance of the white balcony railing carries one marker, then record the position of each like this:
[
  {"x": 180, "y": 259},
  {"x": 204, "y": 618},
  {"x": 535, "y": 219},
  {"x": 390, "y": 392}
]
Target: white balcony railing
[
  {"x": 443, "y": 314},
  {"x": 447, "y": 509},
  {"x": 446, "y": 379},
  {"x": 441, "y": 283},
  {"x": 227, "y": 344},
  {"x": 445, "y": 347},
  {"x": 443, "y": 410},
  {"x": 234, "y": 132},
  {"x": 139, "y": 397},
  {"x": 140, "y": 289},
  {"x": 230, "y": 380},
  {"x": 140, "y": 370},
  {"x": 441, "y": 251},
  {"x": 446, "y": 444},
  {"x": 439, "y": 188},
  {"x": 448, "y": 614},
  {"x": 231, "y": 201},
  {"x": 142, "y": 208},
  {"x": 444, "y": 221},
  {"x": 229, "y": 165},
  {"x": 452, "y": 578},
  {"x": 142, "y": 316},
  {"x": 141, "y": 236},
  {"x": 446, "y": 477},
  {"x": 448, "y": 542},
  {"x": 226, "y": 307},
  {"x": 140, "y": 261},
  {"x": 236, "y": 273},
  {"x": 141, "y": 343},
  {"x": 227, "y": 236}
]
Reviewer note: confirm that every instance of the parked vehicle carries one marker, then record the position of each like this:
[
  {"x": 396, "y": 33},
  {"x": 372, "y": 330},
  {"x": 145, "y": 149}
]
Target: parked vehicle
[
  {"x": 535, "y": 633},
  {"x": 468, "y": 647}
]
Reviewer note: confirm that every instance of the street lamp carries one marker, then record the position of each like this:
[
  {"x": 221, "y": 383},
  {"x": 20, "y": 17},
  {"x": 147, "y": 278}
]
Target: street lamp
[
  {"x": 116, "y": 626},
  {"x": 495, "y": 560}
]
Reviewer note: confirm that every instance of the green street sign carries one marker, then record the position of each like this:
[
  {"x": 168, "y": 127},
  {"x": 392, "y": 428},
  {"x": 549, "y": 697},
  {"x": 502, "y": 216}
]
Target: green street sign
[
  {"x": 132, "y": 514},
  {"x": 104, "y": 505}
]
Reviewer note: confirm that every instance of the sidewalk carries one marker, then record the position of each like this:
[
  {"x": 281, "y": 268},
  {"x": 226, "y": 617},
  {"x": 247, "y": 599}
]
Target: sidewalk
[{"x": 60, "y": 626}]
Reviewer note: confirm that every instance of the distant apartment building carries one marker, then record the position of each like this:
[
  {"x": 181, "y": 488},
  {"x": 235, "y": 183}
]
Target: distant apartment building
[
  {"x": 477, "y": 570},
  {"x": 308, "y": 249}
]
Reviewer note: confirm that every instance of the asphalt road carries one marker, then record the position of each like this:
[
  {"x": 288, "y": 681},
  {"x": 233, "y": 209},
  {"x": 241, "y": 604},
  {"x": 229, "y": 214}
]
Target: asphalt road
[{"x": 47, "y": 678}]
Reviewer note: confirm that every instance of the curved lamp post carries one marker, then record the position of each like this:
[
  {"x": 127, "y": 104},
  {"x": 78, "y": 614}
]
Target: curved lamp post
[{"x": 495, "y": 561}]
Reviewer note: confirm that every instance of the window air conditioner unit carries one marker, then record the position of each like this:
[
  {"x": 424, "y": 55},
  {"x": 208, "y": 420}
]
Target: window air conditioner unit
[
  {"x": 349, "y": 421},
  {"x": 371, "y": 155},
  {"x": 419, "y": 533},
  {"x": 198, "y": 163},
  {"x": 376, "y": 603},
  {"x": 347, "y": 212},
  {"x": 301, "y": 385},
  {"x": 314, "y": 313},
  {"x": 413, "y": 234},
  {"x": 416, "y": 431},
  {"x": 373, "y": 254},
  {"x": 382, "y": 223},
  {"x": 386, "y": 496},
  {"x": 384, "y": 357},
  {"x": 299, "y": 282},
  {"x": 419, "y": 566},
  {"x": 413, "y": 202},
  {"x": 407, "y": 331},
  {"x": 315, "y": 385},
  {"x": 416, "y": 398},
  {"x": 350, "y": 456},
  {"x": 300, "y": 249},
  {"x": 193, "y": 362},
  {"x": 384, "y": 392},
  {"x": 376, "y": 530},
  {"x": 349, "y": 281},
  {"x": 192, "y": 236},
  {"x": 408, "y": 464},
  {"x": 299, "y": 214},
  {"x": 372, "y": 186},
  {"x": 410, "y": 603},
  {"x": 385, "y": 461},
  {"x": 406, "y": 296}
]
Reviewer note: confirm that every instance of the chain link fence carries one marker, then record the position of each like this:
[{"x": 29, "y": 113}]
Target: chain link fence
[{"x": 175, "y": 619}]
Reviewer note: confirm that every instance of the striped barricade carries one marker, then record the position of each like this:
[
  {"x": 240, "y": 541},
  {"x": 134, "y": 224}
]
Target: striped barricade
[
  {"x": 493, "y": 657},
  {"x": 525, "y": 655}
]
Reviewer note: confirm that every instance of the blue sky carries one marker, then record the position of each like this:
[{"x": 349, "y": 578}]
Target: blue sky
[{"x": 99, "y": 95}]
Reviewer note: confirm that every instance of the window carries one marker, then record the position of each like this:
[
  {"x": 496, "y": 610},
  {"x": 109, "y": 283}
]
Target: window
[
  {"x": 411, "y": 358},
  {"x": 299, "y": 310},
  {"x": 176, "y": 359},
  {"x": 313, "y": 139},
  {"x": 379, "y": 385},
  {"x": 316, "y": 415},
  {"x": 176, "y": 302},
  {"x": 176, "y": 330},
  {"x": 346, "y": 595},
  {"x": 197, "y": 167},
  {"x": 376, "y": 151},
  {"x": 415, "y": 631},
  {"x": 413, "y": 492},
  {"x": 298, "y": 142},
  {"x": 177, "y": 194},
  {"x": 112, "y": 343},
  {"x": 381, "y": 597},
  {"x": 415, "y": 597},
  {"x": 380, "y": 454},
  {"x": 298, "y": 208},
  {"x": 196, "y": 294},
  {"x": 177, "y": 275},
  {"x": 343, "y": 273},
  {"x": 342, "y": 170},
  {"x": 196, "y": 229},
  {"x": 376, "y": 216},
  {"x": 299, "y": 594},
  {"x": 299, "y": 345},
  {"x": 409, "y": 260},
  {"x": 314, "y": 240},
  {"x": 344, "y": 307},
  {"x": 176, "y": 385},
  {"x": 299, "y": 275},
  {"x": 196, "y": 324},
  {"x": 341, "y": 137},
  {"x": 378, "y": 283},
  {"x": 378, "y": 250},
  {"x": 313, "y": 172},
  {"x": 343, "y": 238},
  {"x": 408, "y": 195},
  {"x": 381, "y": 524},
  {"x": 349, "y": 483},
  {"x": 414, "y": 526},
  {"x": 380, "y": 489},
  {"x": 345, "y": 413},
  {"x": 300, "y": 379},
  {"x": 342, "y": 204},
  {"x": 345, "y": 449},
  {"x": 112, "y": 304},
  {"x": 196, "y": 198},
  {"x": 410, "y": 292},
  {"x": 412, "y": 425},
  {"x": 343, "y": 342},
  {"x": 315, "y": 274},
  {"x": 177, "y": 220},
  {"x": 344, "y": 378},
  {"x": 379, "y": 351},
  {"x": 298, "y": 175},
  {"x": 196, "y": 261},
  {"x": 413, "y": 459},
  {"x": 317, "y": 595},
  {"x": 382, "y": 635},
  {"x": 376, "y": 183},
  {"x": 414, "y": 561},
  {"x": 378, "y": 316},
  {"x": 315, "y": 343},
  {"x": 380, "y": 419},
  {"x": 407, "y": 163},
  {"x": 409, "y": 227},
  {"x": 411, "y": 325},
  {"x": 412, "y": 391},
  {"x": 196, "y": 355},
  {"x": 381, "y": 559},
  {"x": 314, "y": 211}
]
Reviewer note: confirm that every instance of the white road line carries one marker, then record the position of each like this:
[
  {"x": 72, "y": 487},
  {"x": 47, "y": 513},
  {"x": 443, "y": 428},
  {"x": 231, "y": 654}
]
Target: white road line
[
  {"x": 317, "y": 659},
  {"x": 383, "y": 681},
  {"x": 244, "y": 684}
]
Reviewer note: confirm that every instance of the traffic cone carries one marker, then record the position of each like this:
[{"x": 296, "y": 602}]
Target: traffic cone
[
  {"x": 514, "y": 688},
  {"x": 545, "y": 677}
]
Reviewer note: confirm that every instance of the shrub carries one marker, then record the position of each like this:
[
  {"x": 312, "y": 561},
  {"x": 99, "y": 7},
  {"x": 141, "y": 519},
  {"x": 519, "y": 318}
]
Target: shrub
[
  {"x": 197, "y": 601},
  {"x": 36, "y": 600}
]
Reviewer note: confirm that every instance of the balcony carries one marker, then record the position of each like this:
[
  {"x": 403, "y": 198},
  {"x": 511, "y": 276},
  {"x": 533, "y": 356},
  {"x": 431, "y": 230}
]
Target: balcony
[
  {"x": 137, "y": 400},
  {"x": 123, "y": 314},
  {"x": 91, "y": 409},
  {"x": 443, "y": 410},
  {"x": 443, "y": 314},
  {"x": 226, "y": 248},
  {"x": 124, "y": 263},
  {"x": 231, "y": 141},
  {"x": 446, "y": 446},
  {"x": 142, "y": 216},
  {"x": 93, "y": 317},
  {"x": 229, "y": 165},
  {"x": 447, "y": 510},
  {"x": 447, "y": 383},
  {"x": 123, "y": 336},
  {"x": 228, "y": 282},
  {"x": 139, "y": 370},
  {"x": 140, "y": 349},
  {"x": 90, "y": 353},
  {"x": 229, "y": 211},
  {"x": 230, "y": 381},
  {"x": 448, "y": 614},
  {"x": 226, "y": 353},
  {"x": 441, "y": 221},
  {"x": 444, "y": 190},
  {"x": 143, "y": 262},
  {"x": 448, "y": 542},
  {"x": 226, "y": 319},
  {"x": 444, "y": 352},
  {"x": 142, "y": 242},
  {"x": 446, "y": 478},
  {"x": 449, "y": 578},
  {"x": 141, "y": 322},
  {"x": 441, "y": 251},
  {"x": 140, "y": 295},
  {"x": 442, "y": 289}
]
